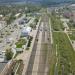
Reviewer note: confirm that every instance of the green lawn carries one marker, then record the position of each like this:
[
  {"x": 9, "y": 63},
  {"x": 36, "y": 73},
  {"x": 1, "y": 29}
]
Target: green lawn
[
  {"x": 66, "y": 54},
  {"x": 20, "y": 43},
  {"x": 56, "y": 23}
]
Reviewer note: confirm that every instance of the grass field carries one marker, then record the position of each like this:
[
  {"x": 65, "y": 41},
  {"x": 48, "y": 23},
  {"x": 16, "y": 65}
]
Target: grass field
[
  {"x": 66, "y": 54},
  {"x": 56, "y": 23}
]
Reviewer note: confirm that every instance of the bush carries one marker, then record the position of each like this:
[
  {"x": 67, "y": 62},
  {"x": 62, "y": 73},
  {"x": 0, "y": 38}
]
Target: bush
[
  {"x": 36, "y": 20},
  {"x": 29, "y": 42},
  {"x": 8, "y": 54},
  {"x": 32, "y": 25}
]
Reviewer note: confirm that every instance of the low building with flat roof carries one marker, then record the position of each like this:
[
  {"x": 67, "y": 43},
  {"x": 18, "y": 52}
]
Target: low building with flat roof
[{"x": 26, "y": 31}]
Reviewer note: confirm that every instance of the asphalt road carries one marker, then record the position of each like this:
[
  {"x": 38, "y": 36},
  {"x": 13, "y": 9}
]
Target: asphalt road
[
  {"x": 38, "y": 64},
  {"x": 2, "y": 65}
]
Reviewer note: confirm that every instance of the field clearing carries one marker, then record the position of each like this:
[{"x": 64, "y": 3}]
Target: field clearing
[{"x": 66, "y": 54}]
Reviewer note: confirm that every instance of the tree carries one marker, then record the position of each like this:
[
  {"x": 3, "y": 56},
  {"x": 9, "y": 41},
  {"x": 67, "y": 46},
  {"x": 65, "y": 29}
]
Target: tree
[
  {"x": 8, "y": 54},
  {"x": 71, "y": 21}
]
